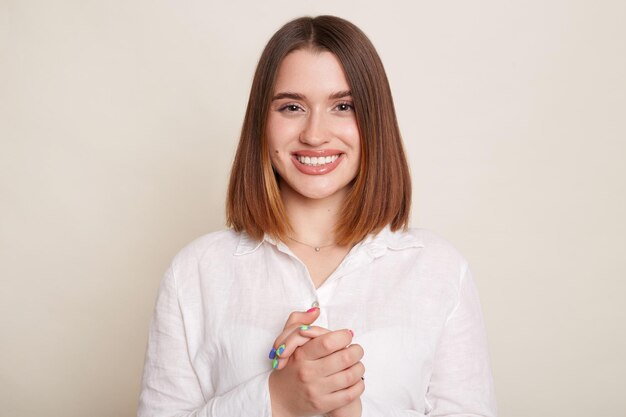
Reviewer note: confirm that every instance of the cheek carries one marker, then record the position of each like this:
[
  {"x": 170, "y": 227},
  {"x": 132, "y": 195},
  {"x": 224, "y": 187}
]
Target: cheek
[
  {"x": 274, "y": 157},
  {"x": 350, "y": 134},
  {"x": 271, "y": 134},
  {"x": 280, "y": 130},
  {"x": 279, "y": 159}
]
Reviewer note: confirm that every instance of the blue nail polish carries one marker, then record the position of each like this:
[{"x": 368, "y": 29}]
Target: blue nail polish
[
  {"x": 280, "y": 350},
  {"x": 272, "y": 353}
]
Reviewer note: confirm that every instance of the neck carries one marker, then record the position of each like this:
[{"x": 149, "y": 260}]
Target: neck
[{"x": 313, "y": 220}]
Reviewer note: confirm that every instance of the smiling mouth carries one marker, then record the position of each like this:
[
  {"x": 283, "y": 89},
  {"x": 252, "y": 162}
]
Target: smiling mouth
[{"x": 316, "y": 161}]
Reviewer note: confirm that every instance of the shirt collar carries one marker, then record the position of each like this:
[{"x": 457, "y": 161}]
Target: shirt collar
[
  {"x": 247, "y": 245},
  {"x": 375, "y": 244}
]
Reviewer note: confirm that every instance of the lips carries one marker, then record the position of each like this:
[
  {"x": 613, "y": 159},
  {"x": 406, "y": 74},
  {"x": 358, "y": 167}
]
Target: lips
[{"x": 317, "y": 162}]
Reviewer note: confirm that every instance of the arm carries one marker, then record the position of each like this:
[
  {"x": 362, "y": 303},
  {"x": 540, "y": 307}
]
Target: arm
[
  {"x": 461, "y": 384},
  {"x": 170, "y": 387}
]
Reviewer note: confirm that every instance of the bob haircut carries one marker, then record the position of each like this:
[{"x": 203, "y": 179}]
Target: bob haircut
[{"x": 380, "y": 195}]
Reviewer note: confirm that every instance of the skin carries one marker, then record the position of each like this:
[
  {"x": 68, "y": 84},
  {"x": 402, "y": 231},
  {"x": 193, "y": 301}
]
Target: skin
[
  {"x": 314, "y": 120},
  {"x": 320, "y": 370},
  {"x": 306, "y": 115}
]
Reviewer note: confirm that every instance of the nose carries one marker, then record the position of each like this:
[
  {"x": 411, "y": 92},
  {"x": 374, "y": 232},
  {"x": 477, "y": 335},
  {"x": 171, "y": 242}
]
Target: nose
[{"x": 314, "y": 130}]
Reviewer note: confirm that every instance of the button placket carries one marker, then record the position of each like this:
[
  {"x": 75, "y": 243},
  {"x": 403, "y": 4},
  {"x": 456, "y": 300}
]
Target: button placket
[
  {"x": 324, "y": 299},
  {"x": 322, "y": 320}
]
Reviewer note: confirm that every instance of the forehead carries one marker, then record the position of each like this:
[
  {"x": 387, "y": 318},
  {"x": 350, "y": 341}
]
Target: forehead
[{"x": 307, "y": 70}]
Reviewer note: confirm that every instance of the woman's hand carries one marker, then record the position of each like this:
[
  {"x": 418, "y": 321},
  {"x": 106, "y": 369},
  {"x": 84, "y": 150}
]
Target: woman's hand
[
  {"x": 323, "y": 376},
  {"x": 297, "y": 332}
]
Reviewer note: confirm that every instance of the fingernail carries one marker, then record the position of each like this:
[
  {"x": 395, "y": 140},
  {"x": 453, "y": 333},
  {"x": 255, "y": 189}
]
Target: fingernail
[
  {"x": 304, "y": 327},
  {"x": 280, "y": 350},
  {"x": 272, "y": 353},
  {"x": 275, "y": 363},
  {"x": 351, "y": 332},
  {"x": 312, "y": 309}
]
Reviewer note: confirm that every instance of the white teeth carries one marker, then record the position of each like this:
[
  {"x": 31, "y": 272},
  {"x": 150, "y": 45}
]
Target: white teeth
[{"x": 316, "y": 161}]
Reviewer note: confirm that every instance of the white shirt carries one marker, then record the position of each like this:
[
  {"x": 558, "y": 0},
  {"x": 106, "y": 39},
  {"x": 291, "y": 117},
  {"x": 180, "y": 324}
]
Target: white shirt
[{"x": 409, "y": 297}]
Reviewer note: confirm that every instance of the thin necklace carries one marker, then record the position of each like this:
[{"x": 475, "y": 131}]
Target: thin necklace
[{"x": 317, "y": 248}]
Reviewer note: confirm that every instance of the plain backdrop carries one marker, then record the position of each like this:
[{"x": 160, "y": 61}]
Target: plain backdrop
[{"x": 118, "y": 124}]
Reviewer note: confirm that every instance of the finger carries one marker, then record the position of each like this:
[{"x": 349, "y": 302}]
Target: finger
[
  {"x": 345, "y": 396},
  {"x": 339, "y": 361},
  {"x": 346, "y": 378},
  {"x": 326, "y": 344},
  {"x": 303, "y": 317},
  {"x": 284, "y": 335},
  {"x": 295, "y": 320},
  {"x": 312, "y": 331},
  {"x": 296, "y": 339}
]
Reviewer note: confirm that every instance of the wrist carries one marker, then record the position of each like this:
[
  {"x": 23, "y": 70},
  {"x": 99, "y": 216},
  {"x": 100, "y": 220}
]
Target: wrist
[
  {"x": 354, "y": 409},
  {"x": 276, "y": 401}
]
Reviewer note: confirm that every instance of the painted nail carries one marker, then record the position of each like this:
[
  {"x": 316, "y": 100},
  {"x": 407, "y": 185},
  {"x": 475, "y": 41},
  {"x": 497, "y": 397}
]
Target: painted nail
[
  {"x": 280, "y": 350},
  {"x": 312, "y": 309},
  {"x": 272, "y": 353},
  {"x": 275, "y": 363},
  {"x": 305, "y": 327}
]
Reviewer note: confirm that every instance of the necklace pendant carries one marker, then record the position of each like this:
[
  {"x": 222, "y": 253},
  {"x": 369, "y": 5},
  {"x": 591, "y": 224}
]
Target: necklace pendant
[{"x": 317, "y": 249}]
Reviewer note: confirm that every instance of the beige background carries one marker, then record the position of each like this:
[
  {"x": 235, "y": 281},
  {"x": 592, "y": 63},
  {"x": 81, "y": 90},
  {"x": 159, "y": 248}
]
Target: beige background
[{"x": 118, "y": 123}]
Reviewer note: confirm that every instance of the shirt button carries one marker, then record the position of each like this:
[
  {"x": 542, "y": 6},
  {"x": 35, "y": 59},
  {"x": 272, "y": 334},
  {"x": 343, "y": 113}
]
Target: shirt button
[{"x": 315, "y": 304}]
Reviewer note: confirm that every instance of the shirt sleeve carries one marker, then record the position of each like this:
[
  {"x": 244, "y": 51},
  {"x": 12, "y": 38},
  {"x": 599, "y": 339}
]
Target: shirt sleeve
[
  {"x": 461, "y": 383},
  {"x": 170, "y": 386}
]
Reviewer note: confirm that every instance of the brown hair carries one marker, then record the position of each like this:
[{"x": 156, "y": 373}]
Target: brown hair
[{"x": 381, "y": 193}]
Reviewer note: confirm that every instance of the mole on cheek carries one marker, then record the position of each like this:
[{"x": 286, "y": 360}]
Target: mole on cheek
[{"x": 276, "y": 151}]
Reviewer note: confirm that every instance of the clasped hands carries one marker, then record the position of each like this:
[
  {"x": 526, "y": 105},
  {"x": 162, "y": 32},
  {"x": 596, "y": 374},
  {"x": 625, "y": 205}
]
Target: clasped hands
[{"x": 318, "y": 370}]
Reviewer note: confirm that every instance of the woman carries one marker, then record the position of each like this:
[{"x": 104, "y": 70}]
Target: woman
[{"x": 362, "y": 316}]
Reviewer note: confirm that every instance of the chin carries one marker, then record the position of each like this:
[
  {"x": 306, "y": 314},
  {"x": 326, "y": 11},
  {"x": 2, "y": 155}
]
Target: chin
[
  {"x": 314, "y": 188},
  {"x": 317, "y": 194}
]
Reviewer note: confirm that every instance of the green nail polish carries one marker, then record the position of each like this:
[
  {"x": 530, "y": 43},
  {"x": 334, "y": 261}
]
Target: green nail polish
[
  {"x": 304, "y": 327},
  {"x": 275, "y": 363},
  {"x": 280, "y": 350}
]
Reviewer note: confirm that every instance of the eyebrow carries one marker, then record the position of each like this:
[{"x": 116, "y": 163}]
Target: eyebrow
[{"x": 297, "y": 96}]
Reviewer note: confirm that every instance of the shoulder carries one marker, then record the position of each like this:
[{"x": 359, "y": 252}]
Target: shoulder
[
  {"x": 425, "y": 239},
  {"x": 217, "y": 245},
  {"x": 430, "y": 246}
]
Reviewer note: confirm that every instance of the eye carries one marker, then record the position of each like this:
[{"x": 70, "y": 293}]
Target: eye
[
  {"x": 344, "y": 107},
  {"x": 290, "y": 108}
]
